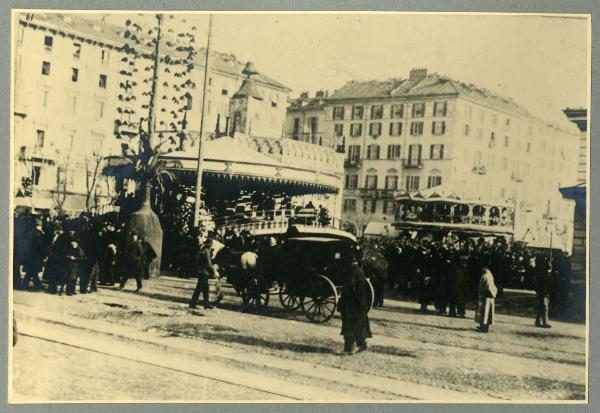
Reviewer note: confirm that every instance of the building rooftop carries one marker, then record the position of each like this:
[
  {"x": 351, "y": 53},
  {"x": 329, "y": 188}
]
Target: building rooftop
[
  {"x": 422, "y": 86},
  {"x": 111, "y": 35},
  {"x": 305, "y": 104}
]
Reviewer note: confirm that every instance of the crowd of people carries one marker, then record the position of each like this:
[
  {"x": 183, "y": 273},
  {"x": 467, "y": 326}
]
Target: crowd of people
[
  {"x": 85, "y": 251},
  {"x": 445, "y": 273}
]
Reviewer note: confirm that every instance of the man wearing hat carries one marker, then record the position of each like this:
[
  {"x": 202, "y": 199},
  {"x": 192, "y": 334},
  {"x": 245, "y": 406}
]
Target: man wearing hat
[
  {"x": 35, "y": 257},
  {"x": 354, "y": 306},
  {"x": 57, "y": 257},
  {"x": 204, "y": 269},
  {"x": 132, "y": 262}
]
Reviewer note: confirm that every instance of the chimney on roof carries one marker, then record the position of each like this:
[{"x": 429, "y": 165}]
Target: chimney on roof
[
  {"x": 304, "y": 95},
  {"x": 416, "y": 75},
  {"x": 320, "y": 94}
]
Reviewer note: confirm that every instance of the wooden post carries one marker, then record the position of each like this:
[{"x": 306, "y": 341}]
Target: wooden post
[{"x": 200, "y": 160}]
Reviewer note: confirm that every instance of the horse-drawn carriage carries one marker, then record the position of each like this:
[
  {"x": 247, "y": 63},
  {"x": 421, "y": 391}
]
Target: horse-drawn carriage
[{"x": 306, "y": 272}]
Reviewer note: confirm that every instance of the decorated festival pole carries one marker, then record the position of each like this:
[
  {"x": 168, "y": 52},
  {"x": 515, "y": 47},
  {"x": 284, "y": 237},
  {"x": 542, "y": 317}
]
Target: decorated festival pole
[{"x": 200, "y": 160}]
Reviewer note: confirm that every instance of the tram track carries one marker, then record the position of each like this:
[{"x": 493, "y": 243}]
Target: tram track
[{"x": 160, "y": 366}]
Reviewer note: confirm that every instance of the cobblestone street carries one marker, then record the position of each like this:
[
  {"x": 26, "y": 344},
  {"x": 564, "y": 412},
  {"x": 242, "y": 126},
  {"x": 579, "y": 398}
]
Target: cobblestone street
[{"x": 124, "y": 346}]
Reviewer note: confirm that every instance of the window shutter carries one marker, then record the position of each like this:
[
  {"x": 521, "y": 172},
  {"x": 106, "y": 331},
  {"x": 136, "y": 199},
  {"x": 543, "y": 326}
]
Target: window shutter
[
  {"x": 441, "y": 151},
  {"x": 420, "y": 147},
  {"x": 431, "y": 152},
  {"x": 392, "y": 127}
]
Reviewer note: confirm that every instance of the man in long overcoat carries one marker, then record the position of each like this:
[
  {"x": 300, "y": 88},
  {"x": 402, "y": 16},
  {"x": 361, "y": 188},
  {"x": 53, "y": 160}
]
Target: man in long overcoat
[
  {"x": 543, "y": 287},
  {"x": 148, "y": 255},
  {"x": 354, "y": 307},
  {"x": 203, "y": 268},
  {"x": 74, "y": 267},
  {"x": 459, "y": 285},
  {"x": 485, "y": 308},
  {"x": 57, "y": 259},
  {"x": 35, "y": 257},
  {"x": 132, "y": 262}
]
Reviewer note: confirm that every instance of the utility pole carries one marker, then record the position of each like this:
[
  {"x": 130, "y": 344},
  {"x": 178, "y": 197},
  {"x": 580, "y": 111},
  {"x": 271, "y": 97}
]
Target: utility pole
[{"x": 200, "y": 160}]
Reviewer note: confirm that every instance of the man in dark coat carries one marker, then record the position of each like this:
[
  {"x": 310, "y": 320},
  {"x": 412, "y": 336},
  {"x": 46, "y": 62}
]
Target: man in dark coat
[
  {"x": 57, "y": 259},
  {"x": 354, "y": 307},
  {"x": 35, "y": 257},
  {"x": 543, "y": 287},
  {"x": 459, "y": 286},
  {"x": 148, "y": 255},
  {"x": 203, "y": 269},
  {"x": 132, "y": 262},
  {"x": 74, "y": 267},
  {"x": 90, "y": 242},
  {"x": 375, "y": 266},
  {"x": 562, "y": 271}
]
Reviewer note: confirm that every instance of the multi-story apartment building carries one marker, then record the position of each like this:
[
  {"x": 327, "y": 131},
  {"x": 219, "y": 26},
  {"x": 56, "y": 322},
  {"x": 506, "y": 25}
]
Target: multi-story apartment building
[
  {"x": 305, "y": 119},
  {"x": 430, "y": 130},
  {"x": 578, "y": 193},
  {"x": 68, "y": 73},
  {"x": 579, "y": 117}
]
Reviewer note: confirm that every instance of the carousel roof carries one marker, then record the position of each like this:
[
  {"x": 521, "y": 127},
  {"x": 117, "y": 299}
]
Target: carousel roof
[
  {"x": 233, "y": 158},
  {"x": 223, "y": 149}
]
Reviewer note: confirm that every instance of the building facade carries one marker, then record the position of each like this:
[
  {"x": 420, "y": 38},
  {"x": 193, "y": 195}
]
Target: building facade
[
  {"x": 578, "y": 193},
  {"x": 579, "y": 117},
  {"x": 430, "y": 130},
  {"x": 69, "y": 94},
  {"x": 305, "y": 120}
]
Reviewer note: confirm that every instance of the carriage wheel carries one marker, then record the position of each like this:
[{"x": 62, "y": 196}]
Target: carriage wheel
[
  {"x": 371, "y": 292},
  {"x": 286, "y": 299},
  {"x": 255, "y": 293},
  {"x": 321, "y": 299}
]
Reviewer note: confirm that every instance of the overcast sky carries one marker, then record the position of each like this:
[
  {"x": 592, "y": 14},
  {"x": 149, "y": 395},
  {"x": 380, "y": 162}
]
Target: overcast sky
[{"x": 539, "y": 61}]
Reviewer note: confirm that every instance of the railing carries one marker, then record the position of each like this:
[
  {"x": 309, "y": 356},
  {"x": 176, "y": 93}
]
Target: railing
[
  {"x": 471, "y": 219},
  {"x": 104, "y": 209},
  {"x": 352, "y": 163},
  {"x": 278, "y": 221}
]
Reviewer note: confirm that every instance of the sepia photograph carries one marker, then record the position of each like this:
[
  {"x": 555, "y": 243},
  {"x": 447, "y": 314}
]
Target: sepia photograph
[{"x": 340, "y": 207}]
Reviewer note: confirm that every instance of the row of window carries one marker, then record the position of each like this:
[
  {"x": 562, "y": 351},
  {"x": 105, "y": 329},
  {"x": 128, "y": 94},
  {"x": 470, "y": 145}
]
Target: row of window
[
  {"x": 519, "y": 168},
  {"x": 96, "y": 141},
  {"x": 396, "y": 111},
  {"x": 391, "y": 182},
  {"x": 506, "y": 142},
  {"x": 73, "y": 103},
  {"x": 65, "y": 178},
  {"x": 49, "y": 41},
  {"x": 436, "y": 152},
  {"x": 370, "y": 206},
  {"x": 102, "y": 79},
  {"x": 395, "y": 129},
  {"x": 388, "y": 206},
  {"x": 492, "y": 116}
]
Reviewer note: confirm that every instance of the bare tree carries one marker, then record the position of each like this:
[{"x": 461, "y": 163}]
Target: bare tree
[{"x": 92, "y": 169}]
